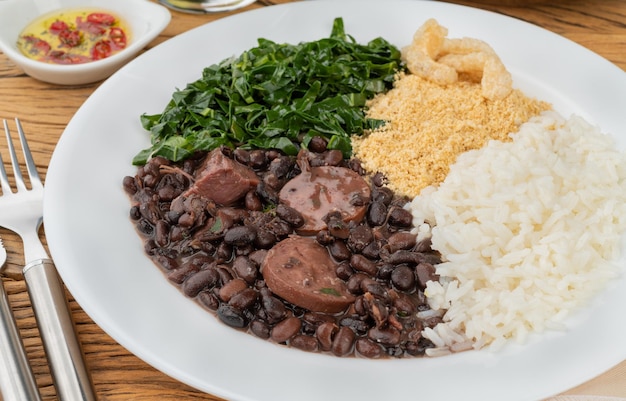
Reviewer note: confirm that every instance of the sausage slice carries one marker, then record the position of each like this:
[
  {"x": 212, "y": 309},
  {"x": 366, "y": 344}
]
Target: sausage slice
[
  {"x": 320, "y": 190},
  {"x": 222, "y": 179},
  {"x": 301, "y": 271}
]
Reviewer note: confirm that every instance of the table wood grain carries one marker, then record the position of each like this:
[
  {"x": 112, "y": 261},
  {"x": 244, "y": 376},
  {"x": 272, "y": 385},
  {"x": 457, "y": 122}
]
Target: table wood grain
[{"x": 45, "y": 109}]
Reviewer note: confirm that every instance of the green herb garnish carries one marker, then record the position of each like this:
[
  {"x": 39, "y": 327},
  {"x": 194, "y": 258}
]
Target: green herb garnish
[
  {"x": 330, "y": 291},
  {"x": 277, "y": 96}
]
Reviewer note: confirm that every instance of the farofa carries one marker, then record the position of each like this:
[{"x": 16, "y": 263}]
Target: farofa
[{"x": 429, "y": 125}]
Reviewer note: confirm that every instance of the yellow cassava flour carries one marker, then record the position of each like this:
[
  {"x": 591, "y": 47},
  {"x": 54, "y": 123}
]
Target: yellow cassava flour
[{"x": 429, "y": 125}]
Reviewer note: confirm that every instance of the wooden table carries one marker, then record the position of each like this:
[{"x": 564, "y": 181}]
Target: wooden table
[{"x": 45, "y": 109}]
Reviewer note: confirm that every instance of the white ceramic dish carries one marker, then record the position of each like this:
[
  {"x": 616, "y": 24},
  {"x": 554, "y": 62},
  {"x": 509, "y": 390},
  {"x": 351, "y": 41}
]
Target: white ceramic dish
[
  {"x": 100, "y": 256},
  {"x": 146, "y": 20}
]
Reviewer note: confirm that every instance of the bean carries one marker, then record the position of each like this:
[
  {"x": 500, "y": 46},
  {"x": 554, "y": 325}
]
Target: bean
[
  {"x": 339, "y": 250},
  {"x": 231, "y": 316},
  {"x": 280, "y": 228},
  {"x": 315, "y": 319},
  {"x": 265, "y": 239},
  {"x": 387, "y": 336},
  {"x": 161, "y": 233},
  {"x": 401, "y": 240},
  {"x": 383, "y": 195},
  {"x": 325, "y": 334},
  {"x": 403, "y": 278},
  {"x": 371, "y": 250},
  {"x": 290, "y": 215},
  {"x": 272, "y": 181},
  {"x": 130, "y": 185},
  {"x": 338, "y": 228},
  {"x": 356, "y": 325},
  {"x": 378, "y": 179},
  {"x": 168, "y": 193},
  {"x": 425, "y": 272},
  {"x": 317, "y": 144},
  {"x": 333, "y": 157},
  {"x": 208, "y": 300},
  {"x": 246, "y": 269},
  {"x": 258, "y": 159},
  {"x": 363, "y": 264},
  {"x": 198, "y": 281},
  {"x": 252, "y": 201},
  {"x": 404, "y": 306},
  {"x": 376, "y": 309},
  {"x": 377, "y": 213},
  {"x": 267, "y": 193},
  {"x": 150, "y": 212},
  {"x": 285, "y": 329},
  {"x": 150, "y": 180},
  {"x": 404, "y": 256},
  {"x": 355, "y": 165},
  {"x": 343, "y": 341},
  {"x": 423, "y": 246},
  {"x": 242, "y": 156},
  {"x": 260, "y": 329},
  {"x": 368, "y": 348},
  {"x": 244, "y": 299},
  {"x": 373, "y": 287},
  {"x": 359, "y": 238},
  {"x": 280, "y": 166},
  {"x": 134, "y": 213},
  {"x": 224, "y": 252},
  {"x": 232, "y": 288},
  {"x": 275, "y": 310},
  {"x": 257, "y": 256},
  {"x": 304, "y": 342},
  {"x": 324, "y": 237},
  {"x": 400, "y": 217},
  {"x": 179, "y": 275},
  {"x": 240, "y": 235},
  {"x": 432, "y": 321},
  {"x": 167, "y": 262},
  {"x": 224, "y": 273},
  {"x": 384, "y": 271},
  {"x": 354, "y": 283},
  {"x": 344, "y": 271}
]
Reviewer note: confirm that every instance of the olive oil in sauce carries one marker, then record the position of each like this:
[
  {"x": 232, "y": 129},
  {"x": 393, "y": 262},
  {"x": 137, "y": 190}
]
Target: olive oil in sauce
[{"x": 74, "y": 36}]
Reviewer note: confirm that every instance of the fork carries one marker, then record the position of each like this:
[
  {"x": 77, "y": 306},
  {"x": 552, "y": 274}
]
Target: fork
[
  {"x": 22, "y": 212},
  {"x": 16, "y": 377}
]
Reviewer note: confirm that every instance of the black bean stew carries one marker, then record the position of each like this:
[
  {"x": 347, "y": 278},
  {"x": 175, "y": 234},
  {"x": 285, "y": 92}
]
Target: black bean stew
[{"x": 230, "y": 240}]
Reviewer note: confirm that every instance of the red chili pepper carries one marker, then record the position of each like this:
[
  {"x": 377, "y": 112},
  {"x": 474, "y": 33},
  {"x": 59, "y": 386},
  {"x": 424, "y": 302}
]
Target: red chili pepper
[
  {"x": 101, "y": 49},
  {"x": 101, "y": 18},
  {"x": 70, "y": 38},
  {"x": 118, "y": 37},
  {"x": 37, "y": 45},
  {"x": 58, "y": 26},
  {"x": 61, "y": 57},
  {"x": 89, "y": 27}
]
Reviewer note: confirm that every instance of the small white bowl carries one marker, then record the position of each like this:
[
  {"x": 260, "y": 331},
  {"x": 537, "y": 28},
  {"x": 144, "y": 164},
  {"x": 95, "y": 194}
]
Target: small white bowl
[{"x": 144, "y": 18}]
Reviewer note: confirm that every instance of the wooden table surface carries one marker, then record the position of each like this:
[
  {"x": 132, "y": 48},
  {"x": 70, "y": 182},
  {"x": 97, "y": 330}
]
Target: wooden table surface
[{"x": 45, "y": 109}]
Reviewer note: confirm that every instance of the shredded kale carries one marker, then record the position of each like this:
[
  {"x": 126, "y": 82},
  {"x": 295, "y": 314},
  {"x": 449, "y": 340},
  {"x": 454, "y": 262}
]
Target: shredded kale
[{"x": 277, "y": 96}]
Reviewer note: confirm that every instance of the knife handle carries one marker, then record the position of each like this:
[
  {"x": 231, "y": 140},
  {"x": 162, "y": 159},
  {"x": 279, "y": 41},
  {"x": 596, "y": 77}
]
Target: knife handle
[
  {"x": 65, "y": 356},
  {"x": 16, "y": 377}
]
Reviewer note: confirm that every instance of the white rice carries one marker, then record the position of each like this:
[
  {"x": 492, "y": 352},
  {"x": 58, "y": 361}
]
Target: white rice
[{"x": 529, "y": 230}]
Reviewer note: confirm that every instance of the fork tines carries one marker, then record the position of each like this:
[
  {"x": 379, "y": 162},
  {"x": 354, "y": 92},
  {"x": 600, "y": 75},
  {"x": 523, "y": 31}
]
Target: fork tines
[{"x": 35, "y": 181}]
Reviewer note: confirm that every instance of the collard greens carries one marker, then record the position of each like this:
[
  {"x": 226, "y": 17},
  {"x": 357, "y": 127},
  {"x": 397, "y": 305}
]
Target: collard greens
[{"x": 277, "y": 96}]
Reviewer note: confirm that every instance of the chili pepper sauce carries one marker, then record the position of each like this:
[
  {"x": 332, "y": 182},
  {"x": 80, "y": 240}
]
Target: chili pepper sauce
[{"x": 74, "y": 36}]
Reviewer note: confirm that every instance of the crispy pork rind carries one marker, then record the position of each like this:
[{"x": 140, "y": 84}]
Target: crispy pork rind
[{"x": 437, "y": 58}]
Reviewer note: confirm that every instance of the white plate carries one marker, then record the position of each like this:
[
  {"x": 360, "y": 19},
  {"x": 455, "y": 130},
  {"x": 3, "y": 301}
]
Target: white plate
[{"x": 100, "y": 256}]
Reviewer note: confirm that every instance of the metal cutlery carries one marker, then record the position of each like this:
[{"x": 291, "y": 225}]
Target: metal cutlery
[
  {"x": 22, "y": 212},
  {"x": 16, "y": 377}
]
